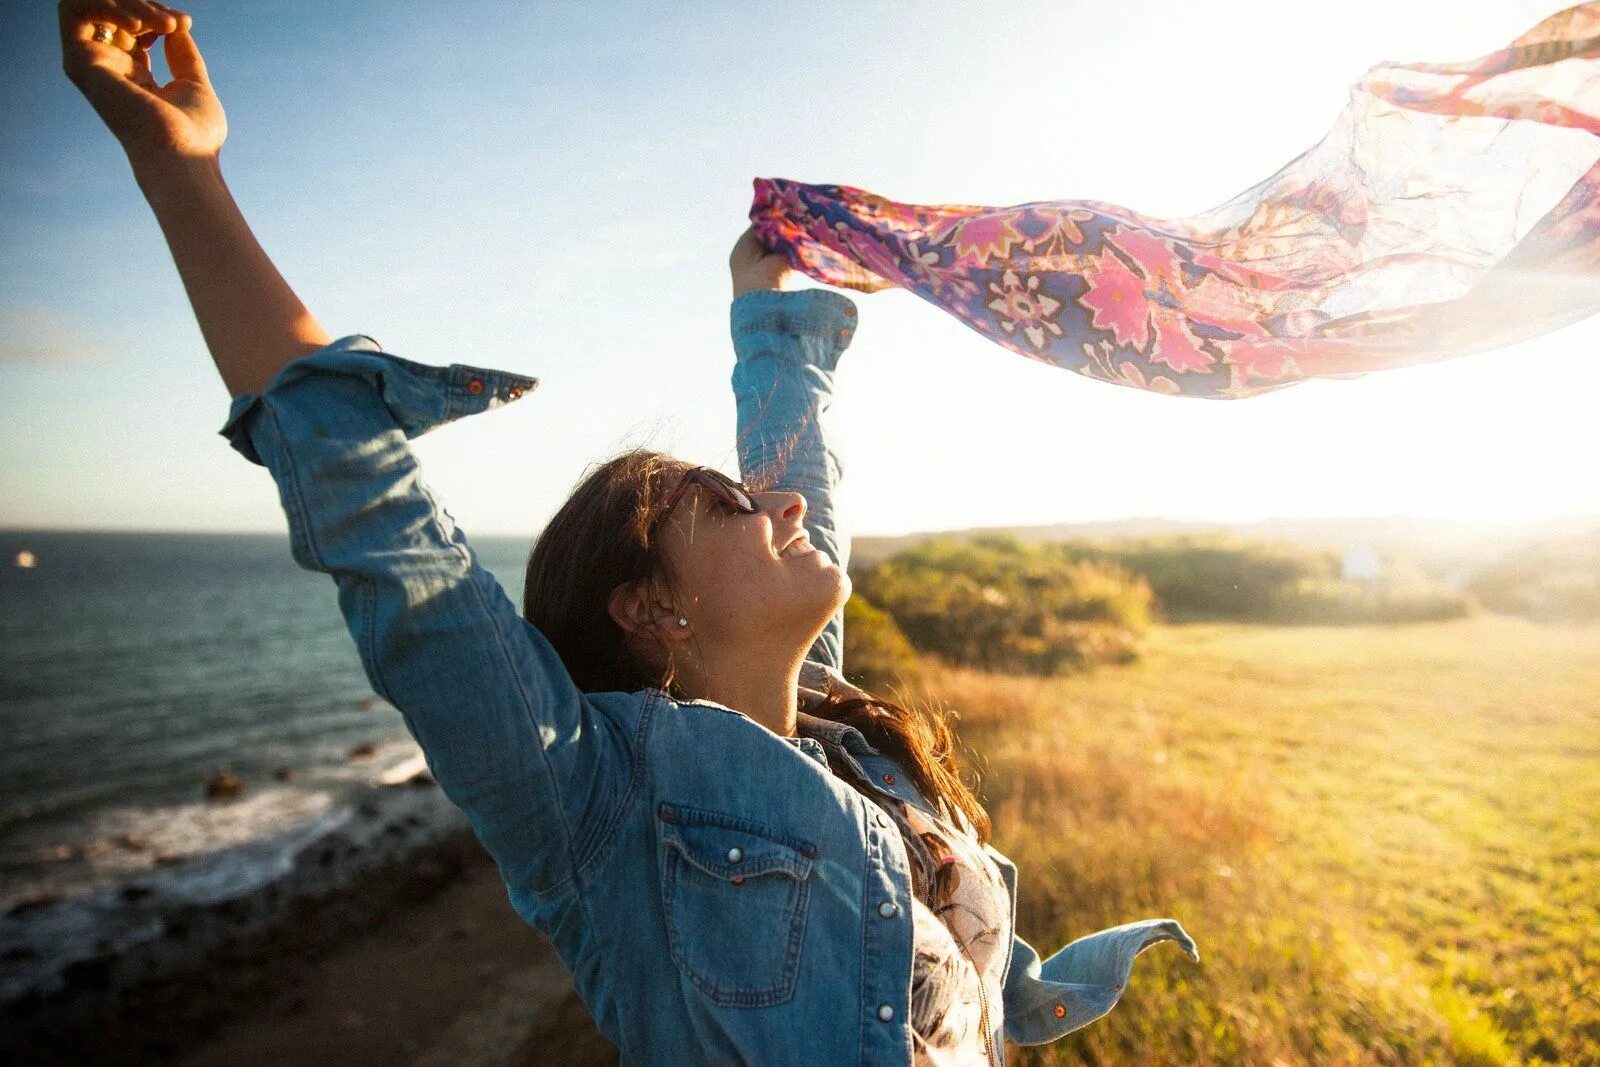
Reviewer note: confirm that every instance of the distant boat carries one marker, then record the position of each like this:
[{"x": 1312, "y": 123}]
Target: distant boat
[{"x": 25, "y": 558}]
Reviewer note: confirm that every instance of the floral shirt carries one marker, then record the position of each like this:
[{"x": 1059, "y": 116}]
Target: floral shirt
[
  {"x": 961, "y": 936},
  {"x": 961, "y": 925}
]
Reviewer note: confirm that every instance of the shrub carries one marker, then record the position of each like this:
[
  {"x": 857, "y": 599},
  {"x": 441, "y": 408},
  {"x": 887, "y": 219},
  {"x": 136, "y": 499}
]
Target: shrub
[
  {"x": 1223, "y": 577},
  {"x": 876, "y": 652},
  {"x": 1557, "y": 580},
  {"x": 1001, "y": 604},
  {"x": 1216, "y": 577}
]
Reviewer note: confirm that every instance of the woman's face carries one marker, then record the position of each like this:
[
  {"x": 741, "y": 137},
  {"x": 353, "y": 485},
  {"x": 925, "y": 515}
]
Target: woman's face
[{"x": 750, "y": 581}]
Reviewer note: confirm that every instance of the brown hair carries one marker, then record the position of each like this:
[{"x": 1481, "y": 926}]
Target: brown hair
[{"x": 602, "y": 538}]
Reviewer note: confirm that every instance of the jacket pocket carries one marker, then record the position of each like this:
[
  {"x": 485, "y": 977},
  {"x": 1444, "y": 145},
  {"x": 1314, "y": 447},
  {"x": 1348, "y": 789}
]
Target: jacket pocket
[{"x": 735, "y": 893}]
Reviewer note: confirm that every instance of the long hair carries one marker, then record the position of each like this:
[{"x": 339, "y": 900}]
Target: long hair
[{"x": 602, "y": 538}]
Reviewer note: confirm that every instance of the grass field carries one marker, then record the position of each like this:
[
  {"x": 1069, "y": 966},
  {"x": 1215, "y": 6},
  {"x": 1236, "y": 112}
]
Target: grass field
[{"x": 1385, "y": 839}]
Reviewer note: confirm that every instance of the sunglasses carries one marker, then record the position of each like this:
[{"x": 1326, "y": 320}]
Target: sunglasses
[{"x": 736, "y": 496}]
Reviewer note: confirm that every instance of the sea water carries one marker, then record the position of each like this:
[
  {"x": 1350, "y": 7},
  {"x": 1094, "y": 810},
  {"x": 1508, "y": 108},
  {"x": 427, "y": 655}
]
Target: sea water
[{"x": 135, "y": 665}]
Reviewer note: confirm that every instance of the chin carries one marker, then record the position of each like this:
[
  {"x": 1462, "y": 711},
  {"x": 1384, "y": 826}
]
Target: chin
[{"x": 841, "y": 591}]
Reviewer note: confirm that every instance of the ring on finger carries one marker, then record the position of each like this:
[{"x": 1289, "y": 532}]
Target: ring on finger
[{"x": 103, "y": 32}]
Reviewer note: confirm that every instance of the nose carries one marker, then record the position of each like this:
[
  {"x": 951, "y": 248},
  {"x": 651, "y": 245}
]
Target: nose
[{"x": 791, "y": 507}]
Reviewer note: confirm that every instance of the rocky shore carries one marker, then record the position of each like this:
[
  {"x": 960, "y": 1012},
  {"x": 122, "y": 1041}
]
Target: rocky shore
[{"x": 378, "y": 933}]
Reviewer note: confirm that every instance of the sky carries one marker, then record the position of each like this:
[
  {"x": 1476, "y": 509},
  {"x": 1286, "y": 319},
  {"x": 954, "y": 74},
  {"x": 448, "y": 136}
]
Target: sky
[{"x": 553, "y": 190}]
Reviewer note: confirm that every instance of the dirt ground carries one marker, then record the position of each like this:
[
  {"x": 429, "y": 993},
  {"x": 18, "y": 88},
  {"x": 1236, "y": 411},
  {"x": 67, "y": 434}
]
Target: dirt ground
[
  {"x": 446, "y": 974},
  {"x": 457, "y": 979}
]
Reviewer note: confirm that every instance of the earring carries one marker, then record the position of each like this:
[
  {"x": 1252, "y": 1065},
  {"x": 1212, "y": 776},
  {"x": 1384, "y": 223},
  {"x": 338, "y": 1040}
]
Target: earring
[{"x": 682, "y": 621}]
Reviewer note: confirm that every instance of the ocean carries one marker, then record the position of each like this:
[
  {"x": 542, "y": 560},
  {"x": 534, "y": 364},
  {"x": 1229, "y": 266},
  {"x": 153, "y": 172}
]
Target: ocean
[{"x": 135, "y": 665}]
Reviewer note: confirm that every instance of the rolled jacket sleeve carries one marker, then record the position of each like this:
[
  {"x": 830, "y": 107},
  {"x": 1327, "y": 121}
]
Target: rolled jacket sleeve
[
  {"x": 1045, "y": 1000},
  {"x": 507, "y": 735},
  {"x": 787, "y": 346}
]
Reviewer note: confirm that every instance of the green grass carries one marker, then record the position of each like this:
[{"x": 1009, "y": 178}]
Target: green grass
[{"x": 1386, "y": 840}]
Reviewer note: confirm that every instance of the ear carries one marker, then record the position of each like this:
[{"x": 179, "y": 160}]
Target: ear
[{"x": 633, "y": 608}]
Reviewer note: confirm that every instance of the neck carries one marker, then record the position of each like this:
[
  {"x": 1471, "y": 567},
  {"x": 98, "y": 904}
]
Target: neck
[{"x": 766, "y": 694}]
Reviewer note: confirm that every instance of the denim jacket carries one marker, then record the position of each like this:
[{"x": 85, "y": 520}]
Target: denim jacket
[{"x": 717, "y": 893}]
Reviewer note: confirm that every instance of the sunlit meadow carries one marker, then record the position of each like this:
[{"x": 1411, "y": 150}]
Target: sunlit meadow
[{"x": 1384, "y": 838}]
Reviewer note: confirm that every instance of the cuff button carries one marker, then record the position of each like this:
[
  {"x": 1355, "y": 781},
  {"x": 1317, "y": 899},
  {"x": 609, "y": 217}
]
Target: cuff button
[
  {"x": 516, "y": 391},
  {"x": 475, "y": 386},
  {"x": 1061, "y": 1011}
]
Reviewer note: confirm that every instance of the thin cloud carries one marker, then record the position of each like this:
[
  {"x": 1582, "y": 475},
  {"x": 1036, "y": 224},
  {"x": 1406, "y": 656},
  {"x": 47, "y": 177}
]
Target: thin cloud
[{"x": 36, "y": 336}]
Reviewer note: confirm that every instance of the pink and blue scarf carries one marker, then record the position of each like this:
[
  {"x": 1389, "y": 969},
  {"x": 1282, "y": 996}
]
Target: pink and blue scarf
[{"x": 1453, "y": 208}]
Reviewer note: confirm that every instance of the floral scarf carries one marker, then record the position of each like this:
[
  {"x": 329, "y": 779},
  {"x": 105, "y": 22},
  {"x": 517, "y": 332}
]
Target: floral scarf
[{"x": 1453, "y": 208}]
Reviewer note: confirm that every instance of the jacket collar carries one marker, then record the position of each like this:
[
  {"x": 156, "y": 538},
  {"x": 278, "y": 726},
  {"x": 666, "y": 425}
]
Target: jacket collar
[{"x": 836, "y": 734}]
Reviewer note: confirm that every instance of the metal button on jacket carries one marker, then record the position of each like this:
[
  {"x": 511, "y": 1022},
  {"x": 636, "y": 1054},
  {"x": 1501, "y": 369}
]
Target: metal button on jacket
[
  {"x": 885, "y": 1012},
  {"x": 888, "y": 908},
  {"x": 735, "y": 854}
]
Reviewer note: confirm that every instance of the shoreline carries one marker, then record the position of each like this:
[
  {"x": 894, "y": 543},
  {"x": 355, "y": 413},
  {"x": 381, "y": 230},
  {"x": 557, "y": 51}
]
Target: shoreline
[{"x": 393, "y": 894}]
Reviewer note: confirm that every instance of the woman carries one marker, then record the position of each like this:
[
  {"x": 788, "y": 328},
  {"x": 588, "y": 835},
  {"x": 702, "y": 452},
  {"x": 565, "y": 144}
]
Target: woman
[{"x": 739, "y": 856}]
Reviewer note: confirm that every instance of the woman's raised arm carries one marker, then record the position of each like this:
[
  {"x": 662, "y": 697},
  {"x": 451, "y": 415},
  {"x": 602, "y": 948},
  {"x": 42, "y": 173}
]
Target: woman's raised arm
[
  {"x": 538, "y": 766},
  {"x": 787, "y": 345},
  {"x": 251, "y": 320}
]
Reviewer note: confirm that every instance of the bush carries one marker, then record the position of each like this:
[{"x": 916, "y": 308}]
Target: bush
[
  {"x": 1559, "y": 580},
  {"x": 1215, "y": 577},
  {"x": 1329, "y": 601},
  {"x": 876, "y": 652},
  {"x": 1001, "y": 604},
  {"x": 1222, "y": 577}
]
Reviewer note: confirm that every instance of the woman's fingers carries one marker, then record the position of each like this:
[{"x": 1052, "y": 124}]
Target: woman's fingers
[
  {"x": 134, "y": 26},
  {"x": 182, "y": 18},
  {"x": 146, "y": 16},
  {"x": 156, "y": 17},
  {"x": 141, "y": 61},
  {"x": 81, "y": 22},
  {"x": 183, "y": 57},
  {"x": 81, "y": 25}
]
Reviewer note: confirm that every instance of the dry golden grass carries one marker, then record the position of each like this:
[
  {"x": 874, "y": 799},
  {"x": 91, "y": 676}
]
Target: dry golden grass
[{"x": 1386, "y": 840}]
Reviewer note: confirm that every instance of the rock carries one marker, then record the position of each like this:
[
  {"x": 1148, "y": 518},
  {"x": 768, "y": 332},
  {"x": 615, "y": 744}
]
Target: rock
[
  {"x": 34, "y": 901},
  {"x": 53, "y": 854},
  {"x": 223, "y": 785},
  {"x": 283, "y": 774},
  {"x": 93, "y": 973},
  {"x": 131, "y": 842},
  {"x": 364, "y": 750}
]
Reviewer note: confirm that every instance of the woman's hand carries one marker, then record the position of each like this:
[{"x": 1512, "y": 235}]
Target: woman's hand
[
  {"x": 182, "y": 119},
  {"x": 754, "y": 266}
]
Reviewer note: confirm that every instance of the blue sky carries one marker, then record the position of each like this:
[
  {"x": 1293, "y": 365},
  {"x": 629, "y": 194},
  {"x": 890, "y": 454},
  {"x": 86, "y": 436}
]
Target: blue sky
[{"x": 553, "y": 190}]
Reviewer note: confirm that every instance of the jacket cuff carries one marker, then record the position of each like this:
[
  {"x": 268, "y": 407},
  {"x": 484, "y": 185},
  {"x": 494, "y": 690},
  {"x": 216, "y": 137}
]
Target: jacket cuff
[
  {"x": 1080, "y": 983},
  {"x": 419, "y": 396},
  {"x": 818, "y": 314}
]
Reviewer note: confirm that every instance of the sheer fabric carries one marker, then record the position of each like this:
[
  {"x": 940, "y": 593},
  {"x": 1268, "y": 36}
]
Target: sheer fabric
[{"x": 1453, "y": 208}]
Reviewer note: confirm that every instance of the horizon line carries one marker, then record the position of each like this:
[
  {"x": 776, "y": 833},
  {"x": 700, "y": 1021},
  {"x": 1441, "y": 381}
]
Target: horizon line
[{"x": 1459, "y": 520}]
